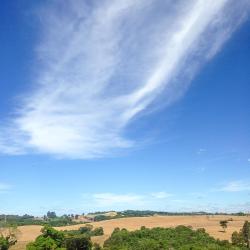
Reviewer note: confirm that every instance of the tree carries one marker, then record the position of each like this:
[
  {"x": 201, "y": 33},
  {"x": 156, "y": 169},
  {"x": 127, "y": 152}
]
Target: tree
[
  {"x": 223, "y": 224},
  {"x": 246, "y": 233},
  {"x": 42, "y": 243},
  {"x": 8, "y": 238},
  {"x": 242, "y": 239},
  {"x": 50, "y": 239},
  {"x": 7, "y": 241},
  {"x": 86, "y": 230},
  {"x": 237, "y": 239},
  {"x": 51, "y": 215},
  {"x": 181, "y": 237},
  {"x": 4, "y": 245},
  {"x": 97, "y": 231},
  {"x": 49, "y": 232},
  {"x": 78, "y": 242}
]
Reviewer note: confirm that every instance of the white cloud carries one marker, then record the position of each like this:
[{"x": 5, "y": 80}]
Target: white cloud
[
  {"x": 236, "y": 186},
  {"x": 126, "y": 201},
  {"x": 161, "y": 195},
  {"x": 201, "y": 151},
  {"x": 158, "y": 201},
  {"x": 110, "y": 199},
  {"x": 213, "y": 207},
  {"x": 101, "y": 64},
  {"x": 4, "y": 187}
]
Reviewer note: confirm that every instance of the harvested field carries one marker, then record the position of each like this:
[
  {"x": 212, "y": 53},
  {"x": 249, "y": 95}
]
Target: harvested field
[{"x": 210, "y": 223}]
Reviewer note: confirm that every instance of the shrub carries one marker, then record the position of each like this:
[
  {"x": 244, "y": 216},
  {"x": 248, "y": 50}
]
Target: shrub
[
  {"x": 50, "y": 239},
  {"x": 7, "y": 241},
  {"x": 4, "y": 244},
  {"x": 87, "y": 229},
  {"x": 242, "y": 238},
  {"x": 97, "y": 231},
  {"x": 42, "y": 243},
  {"x": 179, "y": 238},
  {"x": 78, "y": 242}
]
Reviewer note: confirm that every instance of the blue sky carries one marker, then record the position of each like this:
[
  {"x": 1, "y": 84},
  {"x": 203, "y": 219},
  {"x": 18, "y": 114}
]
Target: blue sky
[{"x": 124, "y": 105}]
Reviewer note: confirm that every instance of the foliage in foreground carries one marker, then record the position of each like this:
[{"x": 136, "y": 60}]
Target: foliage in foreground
[
  {"x": 49, "y": 239},
  {"x": 8, "y": 239},
  {"x": 179, "y": 238},
  {"x": 52, "y": 239},
  {"x": 242, "y": 238}
]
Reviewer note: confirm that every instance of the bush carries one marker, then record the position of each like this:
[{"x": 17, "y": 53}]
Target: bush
[
  {"x": 97, "y": 231},
  {"x": 78, "y": 242},
  {"x": 4, "y": 244},
  {"x": 242, "y": 238},
  {"x": 179, "y": 238},
  {"x": 50, "y": 239},
  {"x": 7, "y": 241},
  {"x": 86, "y": 230},
  {"x": 52, "y": 220},
  {"x": 42, "y": 243}
]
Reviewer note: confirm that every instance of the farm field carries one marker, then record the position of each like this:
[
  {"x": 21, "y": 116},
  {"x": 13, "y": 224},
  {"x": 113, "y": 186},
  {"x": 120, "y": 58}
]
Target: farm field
[{"x": 210, "y": 223}]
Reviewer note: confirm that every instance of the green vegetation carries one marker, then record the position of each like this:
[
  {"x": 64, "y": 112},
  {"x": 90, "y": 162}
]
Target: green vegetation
[
  {"x": 51, "y": 215},
  {"x": 179, "y": 238},
  {"x": 17, "y": 220},
  {"x": 50, "y": 219},
  {"x": 52, "y": 239},
  {"x": 78, "y": 242},
  {"x": 8, "y": 239},
  {"x": 242, "y": 238},
  {"x": 99, "y": 216},
  {"x": 86, "y": 230},
  {"x": 97, "y": 231},
  {"x": 223, "y": 224}
]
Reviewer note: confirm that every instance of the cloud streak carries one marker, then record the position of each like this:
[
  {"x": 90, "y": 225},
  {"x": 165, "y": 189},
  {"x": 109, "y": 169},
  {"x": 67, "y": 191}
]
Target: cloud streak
[
  {"x": 110, "y": 199},
  {"x": 100, "y": 64},
  {"x": 236, "y": 186},
  {"x": 119, "y": 201},
  {"x": 161, "y": 195},
  {"x": 4, "y": 187}
]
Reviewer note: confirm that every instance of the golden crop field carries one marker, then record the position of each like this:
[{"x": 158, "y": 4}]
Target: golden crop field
[{"x": 210, "y": 223}]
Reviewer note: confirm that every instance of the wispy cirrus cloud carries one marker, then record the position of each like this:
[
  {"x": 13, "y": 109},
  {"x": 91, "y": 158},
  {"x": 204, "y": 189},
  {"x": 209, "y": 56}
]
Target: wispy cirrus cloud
[
  {"x": 101, "y": 63},
  {"x": 161, "y": 195},
  {"x": 236, "y": 186},
  {"x": 4, "y": 187},
  {"x": 110, "y": 200},
  {"x": 201, "y": 151}
]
